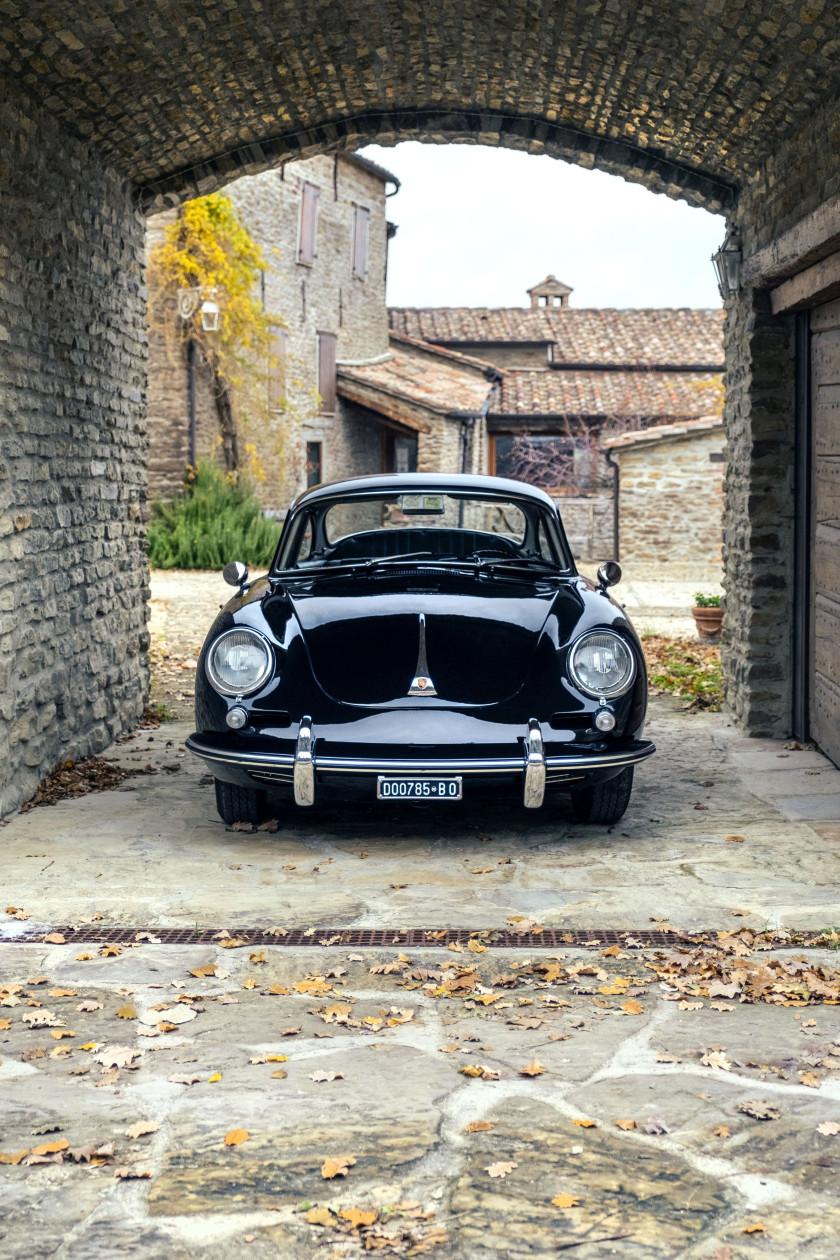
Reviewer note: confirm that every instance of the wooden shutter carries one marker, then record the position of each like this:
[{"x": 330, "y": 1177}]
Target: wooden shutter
[
  {"x": 326, "y": 370},
  {"x": 361, "y": 231},
  {"x": 308, "y": 221},
  {"x": 277, "y": 368}
]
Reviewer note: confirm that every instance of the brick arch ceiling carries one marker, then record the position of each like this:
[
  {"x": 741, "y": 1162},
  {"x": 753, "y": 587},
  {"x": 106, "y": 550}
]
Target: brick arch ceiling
[{"x": 686, "y": 96}]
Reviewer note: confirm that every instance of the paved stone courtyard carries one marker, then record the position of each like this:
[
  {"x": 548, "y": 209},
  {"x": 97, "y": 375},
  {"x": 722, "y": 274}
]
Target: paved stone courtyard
[
  {"x": 324, "y": 1051},
  {"x": 187, "y": 1040}
]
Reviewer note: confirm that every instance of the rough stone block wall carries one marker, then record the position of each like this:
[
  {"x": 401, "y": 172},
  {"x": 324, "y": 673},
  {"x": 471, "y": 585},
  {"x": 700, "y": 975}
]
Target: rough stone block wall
[
  {"x": 440, "y": 450},
  {"x": 671, "y": 506},
  {"x": 324, "y": 297},
  {"x": 353, "y": 446},
  {"x": 73, "y": 575},
  {"x": 758, "y": 515}
]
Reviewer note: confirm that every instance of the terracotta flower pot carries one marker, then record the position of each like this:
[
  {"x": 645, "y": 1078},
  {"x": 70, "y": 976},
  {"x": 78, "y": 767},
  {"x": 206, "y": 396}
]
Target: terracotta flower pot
[{"x": 707, "y": 621}]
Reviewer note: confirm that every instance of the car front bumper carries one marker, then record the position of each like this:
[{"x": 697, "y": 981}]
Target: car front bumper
[{"x": 528, "y": 770}]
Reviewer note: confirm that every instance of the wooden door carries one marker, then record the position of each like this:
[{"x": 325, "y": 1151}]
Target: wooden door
[{"x": 824, "y": 687}]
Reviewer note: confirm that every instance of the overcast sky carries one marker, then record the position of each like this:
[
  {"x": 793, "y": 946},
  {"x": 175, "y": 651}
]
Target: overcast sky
[{"x": 478, "y": 226}]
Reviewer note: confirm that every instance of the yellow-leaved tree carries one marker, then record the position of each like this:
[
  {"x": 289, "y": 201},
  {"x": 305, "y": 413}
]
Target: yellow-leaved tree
[{"x": 209, "y": 249}]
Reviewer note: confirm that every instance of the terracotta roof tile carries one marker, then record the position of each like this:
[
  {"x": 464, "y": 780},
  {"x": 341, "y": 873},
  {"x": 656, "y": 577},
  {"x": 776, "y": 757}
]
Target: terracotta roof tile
[
  {"x": 426, "y": 376},
  {"x": 665, "y": 337},
  {"x": 613, "y": 393},
  {"x": 665, "y": 432}
]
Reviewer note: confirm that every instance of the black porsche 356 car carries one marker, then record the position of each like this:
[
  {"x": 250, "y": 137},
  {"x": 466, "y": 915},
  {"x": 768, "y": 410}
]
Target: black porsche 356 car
[{"x": 422, "y": 638}]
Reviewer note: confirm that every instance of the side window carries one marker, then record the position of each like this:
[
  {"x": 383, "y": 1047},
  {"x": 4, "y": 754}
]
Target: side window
[
  {"x": 305, "y": 545},
  {"x": 326, "y": 371},
  {"x": 308, "y": 223},
  {"x": 277, "y": 368},
  {"x": 361, "y": 232},
  {"x": 543, "y": 543}
]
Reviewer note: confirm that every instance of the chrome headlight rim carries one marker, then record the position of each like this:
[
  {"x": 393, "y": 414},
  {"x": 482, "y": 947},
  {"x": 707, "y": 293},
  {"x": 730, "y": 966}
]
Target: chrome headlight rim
[
  {"x": 219, "y": 684},
  {"x": 611, "y": 693}
]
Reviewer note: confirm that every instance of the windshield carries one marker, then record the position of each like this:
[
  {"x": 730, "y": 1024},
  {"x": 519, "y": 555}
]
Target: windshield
[{"x": 378, "y": 529}]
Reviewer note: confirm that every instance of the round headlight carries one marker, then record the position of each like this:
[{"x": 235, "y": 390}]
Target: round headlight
[
  {"x": 602, "y": 664},
  {"x": 239, "y": 662}
]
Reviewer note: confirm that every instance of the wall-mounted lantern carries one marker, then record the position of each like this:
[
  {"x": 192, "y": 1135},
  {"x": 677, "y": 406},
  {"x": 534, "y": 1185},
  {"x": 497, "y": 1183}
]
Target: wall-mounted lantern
[
  {"x": 727, "y": 265},
  {"x": 190, "y": 300}
]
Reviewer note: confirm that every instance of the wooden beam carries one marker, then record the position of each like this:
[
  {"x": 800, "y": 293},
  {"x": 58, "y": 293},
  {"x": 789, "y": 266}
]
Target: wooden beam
[
  {"x": 809, "y": 241},
  {"x": 812, "y": 287}
]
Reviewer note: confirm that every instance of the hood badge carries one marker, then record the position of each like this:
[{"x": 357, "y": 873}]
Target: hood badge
[{"x": 421, "y": 684}]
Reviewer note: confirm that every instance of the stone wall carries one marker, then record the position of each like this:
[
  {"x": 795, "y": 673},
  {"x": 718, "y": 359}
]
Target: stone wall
[
  {"x": 670, "y": 507},
  {"x": 323, "y": 297},
  {"x": 73, "y": 577},
  {"x": 758, "y": 515}
]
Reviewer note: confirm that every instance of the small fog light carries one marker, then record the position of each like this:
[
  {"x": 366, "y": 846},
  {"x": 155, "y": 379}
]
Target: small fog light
[
  {"x": 604, "y": 720},
  {"x": 236, "y": 718}
]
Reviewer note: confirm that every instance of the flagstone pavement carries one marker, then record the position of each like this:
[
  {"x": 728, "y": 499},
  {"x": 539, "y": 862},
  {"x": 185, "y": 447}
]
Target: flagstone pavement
[{"x": 372, "y": 1057}]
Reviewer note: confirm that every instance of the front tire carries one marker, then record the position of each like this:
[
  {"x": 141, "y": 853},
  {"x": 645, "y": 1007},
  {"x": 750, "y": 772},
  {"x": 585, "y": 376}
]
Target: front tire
[
  {"x": 606, "y": 802},
  {"x": 239, "y": 804}
]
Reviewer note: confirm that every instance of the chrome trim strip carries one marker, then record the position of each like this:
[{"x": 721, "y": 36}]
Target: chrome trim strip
[
  {"x": 304, "y": 776},
  {"x": 421, "y": 683},
  {"x": 534, "y": 789}
]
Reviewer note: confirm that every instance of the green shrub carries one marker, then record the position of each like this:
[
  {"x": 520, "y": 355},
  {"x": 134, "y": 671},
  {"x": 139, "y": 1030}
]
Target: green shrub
[
  {"x": 213, "y": 522},
  {"x": 706, "y": 601}
]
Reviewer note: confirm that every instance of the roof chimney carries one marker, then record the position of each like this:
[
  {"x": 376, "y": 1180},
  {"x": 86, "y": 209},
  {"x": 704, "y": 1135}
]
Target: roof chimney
[{"x": 550, "y": 292}]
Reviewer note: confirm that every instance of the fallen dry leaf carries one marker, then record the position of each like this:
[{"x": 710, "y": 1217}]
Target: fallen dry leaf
[
  {"x": 62, "y": 992},
  {"x": 716, "y": 1059},
  {"x": 54, "y": 938},
  {"x": 828, "y": 1128},
  {"x": 321, "y": 1077},
  {"x": 479, "y": 1126},
  {"x": 142, "y": 1127},
  {"x": 722, "y": 1131},
  {"x": 477, "y": 1071},
  {"x": 735, "y": 839},
  {"x": 213, "y": 1078},
  {"x": 757, "y": 1228},
  {"x": 321, "y": 1216},
  {"x": 279, "y": 1075},
  {"x": 83, "y": 957},
  {"x": 118, "y": 1056},
  {"x": 50, "y": 1148},
  {"x": 336, "y": 1166},
  {"x": 759, "y": 1109},
  {"x": 127, "y": 1012},
  {"x": 89, "y": 1005},
  {"x": 12, "y": 1158},
  {"x": 501, "y": 1169},
  {"x": 236, "y": 1137},
  {"x": 655, "y": 1125},
  {"x": 184, "y": 1079},
  {"x": 482, "y": 870},
  {"x": 625, "y": 1124},
  {"x": 358, "y": 1218},
  {"x": 585, "y": 1124},
  {"x": 565, "y": 1200},
  {"x": 809, "y": 1079},
  {"x": 534, "y": 1068},
  {"x": 632, "y": 1007},
  {"x": 126, "y": 1173}
]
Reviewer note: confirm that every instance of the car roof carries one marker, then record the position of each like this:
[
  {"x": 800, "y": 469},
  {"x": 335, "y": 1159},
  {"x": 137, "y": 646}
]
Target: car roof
[{"x": 414, "y": 482}]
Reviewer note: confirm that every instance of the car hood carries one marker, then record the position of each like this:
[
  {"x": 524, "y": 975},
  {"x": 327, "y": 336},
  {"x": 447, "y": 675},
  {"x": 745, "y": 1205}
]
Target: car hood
[{"x": 364, "y": 640}]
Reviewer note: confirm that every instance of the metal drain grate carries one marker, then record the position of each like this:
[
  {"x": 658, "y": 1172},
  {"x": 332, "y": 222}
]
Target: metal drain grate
[{"x": 373, "y": 938}]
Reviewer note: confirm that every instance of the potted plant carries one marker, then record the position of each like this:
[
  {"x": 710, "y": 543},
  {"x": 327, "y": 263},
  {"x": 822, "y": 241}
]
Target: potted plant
[{"x": 708, "y": 615}]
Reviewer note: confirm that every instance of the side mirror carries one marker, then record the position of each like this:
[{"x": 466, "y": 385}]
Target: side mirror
[
  {"x": 609, "y": 574},
  {"x": 235, "y": 573}
]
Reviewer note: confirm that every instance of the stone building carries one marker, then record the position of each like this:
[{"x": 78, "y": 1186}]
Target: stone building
[
  {"x": 570, "y": 377},
  {"x": 669, "y": 500},
  {"x": 113, "y": 112},
  {"x": 322, "y": 227}
]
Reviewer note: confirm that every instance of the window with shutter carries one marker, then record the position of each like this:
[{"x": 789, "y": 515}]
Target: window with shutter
[
  {"x": 314, "y": 464},
  {"x": 277, "y": 351},
  {"x": 326, "y": 370},
  {"x": 361, "y": 228},
  {"x": 308, "y": 223}
]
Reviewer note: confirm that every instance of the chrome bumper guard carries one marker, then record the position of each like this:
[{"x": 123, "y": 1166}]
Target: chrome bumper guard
[{"x": 299, "y": 769}]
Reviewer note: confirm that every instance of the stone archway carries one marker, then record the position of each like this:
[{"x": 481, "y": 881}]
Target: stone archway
[{"x": 109, "y": 111}]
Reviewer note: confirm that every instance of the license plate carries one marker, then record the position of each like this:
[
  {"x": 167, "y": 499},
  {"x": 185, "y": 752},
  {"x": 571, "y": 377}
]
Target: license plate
[{"x": 417, "y": 788}]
